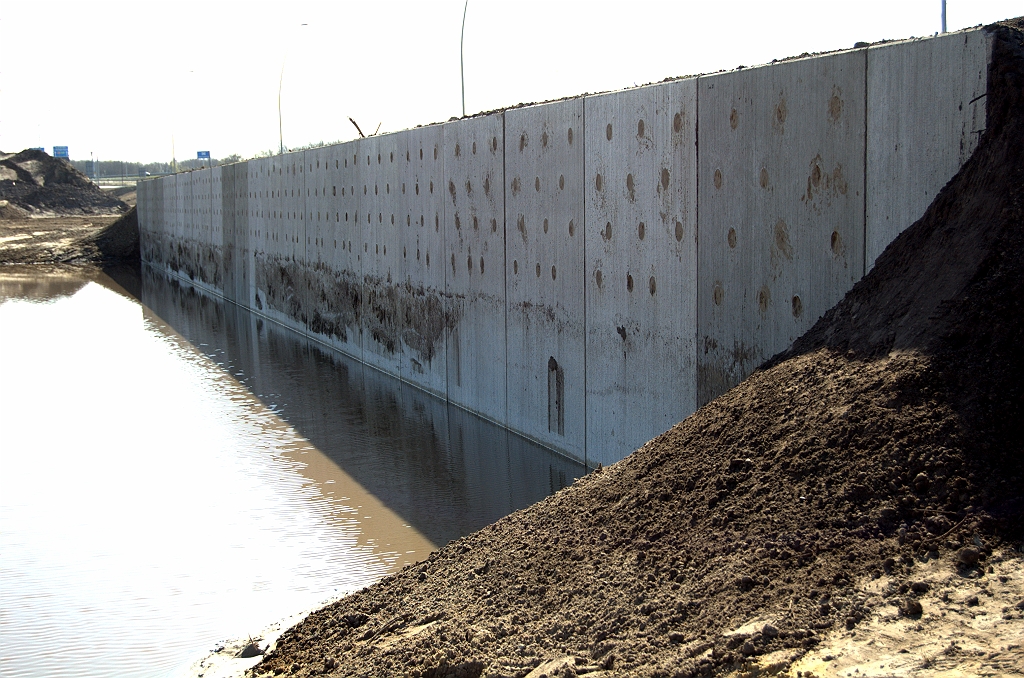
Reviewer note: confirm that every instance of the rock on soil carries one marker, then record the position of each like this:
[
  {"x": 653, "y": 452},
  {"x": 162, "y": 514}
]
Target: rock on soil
[
  {"x": 840, "y": 487},
  {"x": 39, "y": 183}
]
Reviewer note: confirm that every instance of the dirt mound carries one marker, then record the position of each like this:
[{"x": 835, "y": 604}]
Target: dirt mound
[
  {"x": 126, "y": 194},
  {"x": 37, "y": 182},
  {"x": 877, "y": 460},
  {"x": 9, "y": 211},
  {"x": 120, "y": 241}
]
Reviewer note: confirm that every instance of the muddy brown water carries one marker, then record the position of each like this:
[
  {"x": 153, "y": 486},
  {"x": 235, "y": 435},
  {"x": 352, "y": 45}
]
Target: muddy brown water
[{"x": 176, "y": 471}]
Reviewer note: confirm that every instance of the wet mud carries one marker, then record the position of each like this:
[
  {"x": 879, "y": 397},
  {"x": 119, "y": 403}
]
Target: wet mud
[{"x": 102, "y": 240}]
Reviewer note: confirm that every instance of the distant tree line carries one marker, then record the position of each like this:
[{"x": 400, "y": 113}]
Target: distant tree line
[{"x": 117, "y": 168}]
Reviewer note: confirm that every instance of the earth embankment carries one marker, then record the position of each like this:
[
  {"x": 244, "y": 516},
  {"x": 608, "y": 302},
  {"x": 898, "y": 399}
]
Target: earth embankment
[
  {"x": 40, "y": 184},
  {"x": 50, "y": 213}
]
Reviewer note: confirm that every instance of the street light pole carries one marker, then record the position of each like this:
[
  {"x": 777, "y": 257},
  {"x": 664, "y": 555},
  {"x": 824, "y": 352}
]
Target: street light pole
[
  {"x": 462, "y": 64},
  {"x": 280, "y": 84},
  {"x": 280, "y": 129}
]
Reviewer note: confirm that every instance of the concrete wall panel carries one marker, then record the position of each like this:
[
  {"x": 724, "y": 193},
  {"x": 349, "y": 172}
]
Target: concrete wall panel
[
  {"x": 198, "y": 229},
  {"x": 205, "y": 253},
  {"x": 420, "y": 281},
  {"x": 168, "y": 204},
  {"x": 308, "y": 259},
  {"x": 161, "y": 233},
  {"x": 544, "y": 247},
  {"x": 182, "y": 260},
  {"x": 336, "y": 306},
  {"x": 641, "y": 272},
  {"x": 216, "y": 174},
  {"x": 321, "y": 241},
  {"x": 474, "y": 234},
  {"x": 781, "y": 207},
  {"x": 173, "y": 202},
  {"x": 217, "y": 218},
  {"x": 304, "y": 204},
  {"x": 225, "y": 203},
  {"x": 193, "y": 200},
  {"x": 288, "y": 269},
  {"x": 925, "y": 114},
  {"x": 243, "y": 266},
  {"x": 144, "y": 210},
  {"x": 381, "y": 252},
  {"x": 182, "y": 193},
  {"x": 317, "y": 204},
  {"x": 259, "y": 202},
  {"x": 362, "y": 177},
  {"x": 157, "y": 233},
  {"x": 272, "y": 229}
]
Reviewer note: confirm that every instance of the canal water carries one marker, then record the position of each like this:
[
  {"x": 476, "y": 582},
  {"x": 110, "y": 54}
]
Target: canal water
[{"x": 175, "y": 471}]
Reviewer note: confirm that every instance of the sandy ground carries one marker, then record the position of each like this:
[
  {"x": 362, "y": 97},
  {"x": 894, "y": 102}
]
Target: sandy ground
[
  {"x": 232, "y": 658},
  {"x": 48, "y": 240},
  {"x": 57, "y": 239},
  {"x": 971, "y": 624}
]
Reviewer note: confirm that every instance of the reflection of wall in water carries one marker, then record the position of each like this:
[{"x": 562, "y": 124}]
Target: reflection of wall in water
[{"x": 444, "y": 470}]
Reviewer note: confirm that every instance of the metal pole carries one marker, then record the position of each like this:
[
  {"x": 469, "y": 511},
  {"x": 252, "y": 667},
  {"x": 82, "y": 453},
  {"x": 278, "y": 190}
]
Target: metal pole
[
  {"x": 280, "y": 129},
  {"x": 280, "y": 84},
  {"x": 462, "y": 64},
  {"x": 943, "y": 16}
]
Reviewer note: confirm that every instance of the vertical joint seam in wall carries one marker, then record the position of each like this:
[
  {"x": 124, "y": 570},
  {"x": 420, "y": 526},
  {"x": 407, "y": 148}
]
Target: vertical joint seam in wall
[
  {"x": 696, "y": 244},
  {"x": 504, "y": 249},
  {"x": 442, "y": 214},
  {"x": 504, "y": 239},
  {"x": 444, "y": 266},
  {"x": 864, "y": 202},
  {"x": 361, "y": 260},
  {"x": 583, "y": 237},
  {"x": 305, "y": 331}
]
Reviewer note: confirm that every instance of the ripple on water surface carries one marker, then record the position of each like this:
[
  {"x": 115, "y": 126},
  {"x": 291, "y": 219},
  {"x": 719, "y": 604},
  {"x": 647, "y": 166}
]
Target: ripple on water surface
[{"x": 158, "y": 493}]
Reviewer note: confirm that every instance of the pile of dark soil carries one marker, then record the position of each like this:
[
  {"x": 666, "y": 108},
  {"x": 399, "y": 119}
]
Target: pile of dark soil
[
  {"x": 10, "y": 212},
  {"x": 126, "y": 194},
  {"x": 888, "y": 436},
  {"x": 119, "y": 242},
  {"x": 34, "y": 181}
]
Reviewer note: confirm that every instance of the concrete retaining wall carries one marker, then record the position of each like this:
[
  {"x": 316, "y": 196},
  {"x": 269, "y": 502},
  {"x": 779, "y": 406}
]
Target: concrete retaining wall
[
  {"x": 589, "y": 271},
  {"x": 545, "y": 311},
  {"x": 925, "y": 114},
  {"x": 641, "y": 191},
  {"x": 781, "y": 207},
  {"x": 474, "y": 235}
]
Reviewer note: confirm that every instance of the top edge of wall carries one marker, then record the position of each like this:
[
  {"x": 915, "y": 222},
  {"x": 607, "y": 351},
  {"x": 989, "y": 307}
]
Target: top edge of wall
[{"x": 903, "y": 41}]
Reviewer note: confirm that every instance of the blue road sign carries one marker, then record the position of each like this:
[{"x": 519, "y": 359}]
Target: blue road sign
[
  {"x": 60, "y": 152},
  {"x": 203, "y": 155},
  {"x": 39, "y": 148}
]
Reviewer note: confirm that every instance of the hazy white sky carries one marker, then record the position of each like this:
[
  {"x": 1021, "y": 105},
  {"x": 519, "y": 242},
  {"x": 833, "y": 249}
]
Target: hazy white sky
[{"x": 122, "y": 80}]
